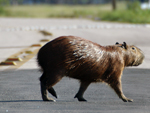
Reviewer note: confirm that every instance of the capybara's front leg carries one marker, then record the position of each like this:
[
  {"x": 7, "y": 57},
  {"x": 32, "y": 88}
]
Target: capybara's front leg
[
  {"x": 117, "y": 86},
  {"x": 45, "y": 94},
  {"x": 83, "y": 87}
]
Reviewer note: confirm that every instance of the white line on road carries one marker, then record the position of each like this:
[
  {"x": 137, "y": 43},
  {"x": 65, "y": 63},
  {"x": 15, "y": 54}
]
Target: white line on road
[{"x": 90, "y": 26}]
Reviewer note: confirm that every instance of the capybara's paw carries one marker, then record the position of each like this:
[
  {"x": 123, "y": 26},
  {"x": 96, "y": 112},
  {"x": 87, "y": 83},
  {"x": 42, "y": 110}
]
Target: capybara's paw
[
  {"x": 49, "y": 99},
  {"x": 130, "y": 100},
  {"x": 127, "y": 100},
  {"x": 80, "y": 98}
]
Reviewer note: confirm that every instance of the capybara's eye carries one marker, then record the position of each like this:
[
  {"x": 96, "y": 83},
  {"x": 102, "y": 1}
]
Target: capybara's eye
[{"x": 133, "y": 48}]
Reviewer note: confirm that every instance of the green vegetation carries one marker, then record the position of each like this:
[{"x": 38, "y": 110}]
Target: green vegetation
[
  {"x": 133, "y": 14},
  {"x": 3, "y": 11},
  {"x": 130, "y": 14},
  {"x": 141, "y": 16},
  {"x": 45, "y": 11}
]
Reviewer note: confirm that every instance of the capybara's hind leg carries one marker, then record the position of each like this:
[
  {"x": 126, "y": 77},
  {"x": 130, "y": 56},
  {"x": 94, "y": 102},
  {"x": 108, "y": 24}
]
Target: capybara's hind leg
[
  {"x": 52, "y": 91},
  {"x": 118, "y": 89},
  {"x": 43, "y": 88},
  {"x": 45, "y": 94},
  {"x": 83, "y": 87},
  {"x": 46, "y": 85}
]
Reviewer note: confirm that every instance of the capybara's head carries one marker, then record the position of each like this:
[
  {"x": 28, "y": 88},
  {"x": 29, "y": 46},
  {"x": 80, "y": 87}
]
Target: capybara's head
[{"x": 133, "y": 56}]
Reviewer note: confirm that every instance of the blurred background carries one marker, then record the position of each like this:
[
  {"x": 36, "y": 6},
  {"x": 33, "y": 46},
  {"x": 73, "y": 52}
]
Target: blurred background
[
  {"x": 128, "y": 11},
  {"x": 24, "y": 24}
]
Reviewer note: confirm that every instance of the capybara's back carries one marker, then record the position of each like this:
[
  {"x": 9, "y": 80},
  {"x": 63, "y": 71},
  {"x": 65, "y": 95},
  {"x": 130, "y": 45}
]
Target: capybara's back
[
  {"x": 86, "y": 61},
  {"x": 71, "y": 56}
]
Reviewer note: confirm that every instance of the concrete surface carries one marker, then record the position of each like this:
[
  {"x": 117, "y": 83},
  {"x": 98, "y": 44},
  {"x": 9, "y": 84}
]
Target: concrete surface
[{"x": 20, "y": 89}]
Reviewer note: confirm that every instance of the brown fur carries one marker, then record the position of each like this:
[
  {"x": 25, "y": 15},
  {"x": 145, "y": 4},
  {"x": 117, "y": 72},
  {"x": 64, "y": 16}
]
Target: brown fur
[{"x": 86, "y": 61}]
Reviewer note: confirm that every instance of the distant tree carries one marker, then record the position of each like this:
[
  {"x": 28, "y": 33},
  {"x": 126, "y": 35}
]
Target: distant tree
[
  {"x": 34, "y": 1},
  {"x": 114, "y": 4}
]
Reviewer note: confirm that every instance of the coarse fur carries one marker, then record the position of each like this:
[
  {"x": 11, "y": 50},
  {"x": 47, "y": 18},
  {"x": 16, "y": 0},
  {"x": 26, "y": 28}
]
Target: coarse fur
[{"x": 86, "y": 61}]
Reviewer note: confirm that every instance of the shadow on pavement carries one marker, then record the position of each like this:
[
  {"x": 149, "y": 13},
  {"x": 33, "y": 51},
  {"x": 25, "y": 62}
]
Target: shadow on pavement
[{"x": 23, "y": 101}]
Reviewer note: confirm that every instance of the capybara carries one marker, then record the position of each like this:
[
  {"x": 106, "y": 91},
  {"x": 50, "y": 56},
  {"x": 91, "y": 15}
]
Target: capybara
[{"x": 86, "y": 61}]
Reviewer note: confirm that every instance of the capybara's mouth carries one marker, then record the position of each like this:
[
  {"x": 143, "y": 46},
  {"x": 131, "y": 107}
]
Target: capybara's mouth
[{"x": 139, "y": 62}]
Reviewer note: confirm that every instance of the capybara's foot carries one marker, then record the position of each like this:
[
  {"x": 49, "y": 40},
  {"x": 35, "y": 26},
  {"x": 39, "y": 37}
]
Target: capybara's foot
[
  {"x": 127, "y": 100},
  {"x": 80, "y": 98},
  {"x": 48, "y": 99},
  {"x": 45, "y": 95}
]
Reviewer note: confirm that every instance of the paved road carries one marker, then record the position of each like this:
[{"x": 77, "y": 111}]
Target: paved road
[{"x": 20, "y": 89}]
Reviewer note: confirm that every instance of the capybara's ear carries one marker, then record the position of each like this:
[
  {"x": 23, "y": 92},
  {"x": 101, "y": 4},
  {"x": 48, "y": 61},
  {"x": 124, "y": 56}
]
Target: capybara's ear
[
  {"x": 124, "y": 45},
  {"x": 117, "y": 43}
]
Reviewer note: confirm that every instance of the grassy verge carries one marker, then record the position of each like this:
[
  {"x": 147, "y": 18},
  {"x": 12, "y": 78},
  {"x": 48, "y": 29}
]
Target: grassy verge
[
  {"x": 104, "y": 12},
  {"x": 128, "y": 16},
  {"x": 3, "y": 11},
  {"x": 45, "y": 11},
  {"x": 133, "y": 14}
]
